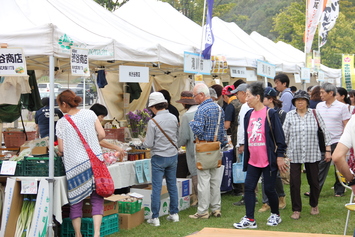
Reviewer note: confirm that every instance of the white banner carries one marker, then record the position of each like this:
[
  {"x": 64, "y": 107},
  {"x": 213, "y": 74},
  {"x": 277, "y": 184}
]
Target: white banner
[
  {"x": 79, "y": 62},
  {"x": 133, "y": 74},
  {"x": 194, "y": 64},
  {"x": 240, "y": 72},
  {"x": 306, "y": 74},
  {"x": 314, "y": 12},
  {"x": 12, "y": 62}
]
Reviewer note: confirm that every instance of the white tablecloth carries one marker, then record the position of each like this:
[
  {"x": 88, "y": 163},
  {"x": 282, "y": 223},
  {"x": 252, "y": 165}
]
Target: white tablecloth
[{"x": 123, "y": 174}]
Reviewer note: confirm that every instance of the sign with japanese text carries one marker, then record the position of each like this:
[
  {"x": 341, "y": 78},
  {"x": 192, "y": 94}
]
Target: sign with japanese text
[
  {"x": 251, "y": 75},
  {"x": 39, "y": 224},
  {"x": 265, "y": 69},
  {"x": 28, "y": 186},
  {"x": 133, "y": 74},
  {"x": 347, "y": 71},
  {"x": 316, "y": 60},
  {"x": 321, "y": 76},
  {"x": 240, "y": 72},
  {"x": 12, "y": 62},
  {"x": 79, "y": 62},
  {"x": 8, "y": 167},
  {"x": 306, "y": 74},
  {"x": 194, "y": 64}
]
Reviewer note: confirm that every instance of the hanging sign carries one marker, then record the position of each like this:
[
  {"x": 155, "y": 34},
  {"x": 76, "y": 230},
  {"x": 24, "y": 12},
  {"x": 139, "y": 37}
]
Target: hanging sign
[
  {"x": 306, "y": 74},
  {"x": 219, "y": 65},
  {"x": 265, "y": 69},
  {"x": 133, "y": 74},
  {"x": 12, "y": 62},
  {"x": 198, "y": 78},
  {"x": 297, "y": 78},
  {"x": 316, "y": 60},
  {"x": 194, "y": 64},
  {"x": 28, "y": 186},
  {"x": 348, "y": 71},
  {"x": 320, "y": 76},
  {"x": 79, "y": 62},
  {"x": 251, "y": 75},
  {"x": 240, "y": 72}
]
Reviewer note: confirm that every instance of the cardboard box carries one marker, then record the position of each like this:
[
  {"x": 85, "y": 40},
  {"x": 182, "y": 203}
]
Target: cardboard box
[
  {"x": 164, "y": 208},
  {"x": 184, "y": 186},
  {"x": 38, "y": 150},
  {"x": 129, "y": 221},
  {"x": 110, "y": 205},
  {"x": 184, "y": 203}
]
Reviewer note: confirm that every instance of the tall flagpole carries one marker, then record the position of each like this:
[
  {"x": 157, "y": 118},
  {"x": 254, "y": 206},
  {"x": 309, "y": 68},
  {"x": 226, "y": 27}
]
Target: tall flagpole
[
  {"x": 305, "y": 44},
  {"x": 203, "y": 35}
]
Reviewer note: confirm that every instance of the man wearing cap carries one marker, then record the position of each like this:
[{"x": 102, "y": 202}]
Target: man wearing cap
[
  {"x": 204, "y": 126},
  {"x": 164, "y": 155},
  {"x": 231, "y": 112},
  {"x": 282, "y": 83},
  {"x": 186, "y": 138}
]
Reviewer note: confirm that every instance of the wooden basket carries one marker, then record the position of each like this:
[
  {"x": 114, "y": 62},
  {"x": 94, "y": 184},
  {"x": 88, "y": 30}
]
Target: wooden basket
[{"x": 17, "y": 138}]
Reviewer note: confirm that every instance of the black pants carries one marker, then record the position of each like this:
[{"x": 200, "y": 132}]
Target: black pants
[
  {"x": 295, "y": 184},
  {"x": 323, "y": 172}
]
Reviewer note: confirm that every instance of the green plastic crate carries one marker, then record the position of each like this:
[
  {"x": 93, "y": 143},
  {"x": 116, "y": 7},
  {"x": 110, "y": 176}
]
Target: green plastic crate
[
  {"x": 129, "y": 207},
  {"x": 19, "y": 169},
  {"x": 109, "y": 225},
  {"x": 39, "y": 166}
]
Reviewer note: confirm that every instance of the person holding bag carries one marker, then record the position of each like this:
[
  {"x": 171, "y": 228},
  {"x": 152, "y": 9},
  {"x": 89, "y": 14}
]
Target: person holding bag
[
  {"x": 204, "y": 127},
  {"x": 300, "y": 128},
  {"x": 264, "y": 151},
  {"x": 161, "y": 138},
  {"x": 76, "y": 160}
]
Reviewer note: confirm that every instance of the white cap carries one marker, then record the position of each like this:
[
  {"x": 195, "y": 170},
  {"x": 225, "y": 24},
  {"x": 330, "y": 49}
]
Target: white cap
[{"x": 156, "y": 98}]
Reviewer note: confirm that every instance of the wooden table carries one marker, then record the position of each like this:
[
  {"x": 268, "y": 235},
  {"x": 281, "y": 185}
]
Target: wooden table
[{"x": 2, "y": 148}]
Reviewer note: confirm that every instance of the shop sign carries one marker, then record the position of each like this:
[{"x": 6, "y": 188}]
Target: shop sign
[{"x": 12, "y": 62}]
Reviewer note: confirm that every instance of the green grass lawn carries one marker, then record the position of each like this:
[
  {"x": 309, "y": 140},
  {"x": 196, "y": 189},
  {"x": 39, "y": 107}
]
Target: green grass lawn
[{"x": 331, "y": 219}]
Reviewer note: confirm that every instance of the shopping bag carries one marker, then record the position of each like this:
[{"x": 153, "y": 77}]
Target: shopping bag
[{"x": 237, "y": 171}]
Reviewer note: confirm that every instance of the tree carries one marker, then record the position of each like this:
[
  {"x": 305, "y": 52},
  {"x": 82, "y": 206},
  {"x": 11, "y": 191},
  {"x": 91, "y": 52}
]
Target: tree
[
  {"x": 289, "y": 25},
  {"x": 111, "y": 5}
]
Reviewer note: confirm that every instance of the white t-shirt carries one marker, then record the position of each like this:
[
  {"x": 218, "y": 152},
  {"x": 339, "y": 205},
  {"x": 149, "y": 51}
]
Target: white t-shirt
[{"x": 348, "y": 137}]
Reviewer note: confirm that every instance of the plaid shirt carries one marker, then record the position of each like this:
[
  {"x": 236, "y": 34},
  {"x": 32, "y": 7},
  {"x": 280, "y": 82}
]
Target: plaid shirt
[
  {"x": 301, "y": 136},
  {"x": 205, "y": 121}
]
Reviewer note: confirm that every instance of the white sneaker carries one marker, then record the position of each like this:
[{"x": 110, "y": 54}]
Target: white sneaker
[
  {"x": 154, "y": 221},
  {"x": 273, "y": 220},
  {"x": 245, "y": 223},
  {"x": 173, "y": 217}
]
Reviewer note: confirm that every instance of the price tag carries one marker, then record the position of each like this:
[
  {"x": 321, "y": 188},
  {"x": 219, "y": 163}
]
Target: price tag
[
  {"x": 8, "y": 167},
  {"x": 29, "y": 187}
]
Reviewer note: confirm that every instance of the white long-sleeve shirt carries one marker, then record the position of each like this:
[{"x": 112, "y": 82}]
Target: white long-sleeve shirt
[{"x": 240, "y": 135}]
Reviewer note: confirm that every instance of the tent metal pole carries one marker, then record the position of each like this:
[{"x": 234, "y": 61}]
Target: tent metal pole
[{"x": 51, "y": 146}]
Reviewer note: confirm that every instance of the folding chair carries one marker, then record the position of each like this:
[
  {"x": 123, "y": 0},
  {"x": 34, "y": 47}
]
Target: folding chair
[{"x": 351, "y": 205}]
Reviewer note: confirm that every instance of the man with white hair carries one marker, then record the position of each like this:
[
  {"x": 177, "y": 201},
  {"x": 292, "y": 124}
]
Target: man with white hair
[{"x": 204, "y": 126}]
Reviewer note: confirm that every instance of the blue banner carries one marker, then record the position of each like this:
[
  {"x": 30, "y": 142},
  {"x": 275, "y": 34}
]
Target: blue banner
[{"x": 209, "y": 38}]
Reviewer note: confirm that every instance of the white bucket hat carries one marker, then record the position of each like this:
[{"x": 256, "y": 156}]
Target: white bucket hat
[{"x": 156, "y": 98}]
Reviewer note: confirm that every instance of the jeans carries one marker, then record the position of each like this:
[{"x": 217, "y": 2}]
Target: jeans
[
  {"x": 164, "y": 166},
  {"x": 251, "y": 180}
]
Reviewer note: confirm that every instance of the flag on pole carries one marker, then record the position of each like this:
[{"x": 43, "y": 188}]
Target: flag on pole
[
  {"x": 209, "y": 38},
  {"x": 328, "y": 19},
  {"x": 314, "y": 12}
]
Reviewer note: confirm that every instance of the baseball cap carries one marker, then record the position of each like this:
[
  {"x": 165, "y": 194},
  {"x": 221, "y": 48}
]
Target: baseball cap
[
  {"x": 156, "y": 98},
  {"x": 269, "y": 91},
  {"x": 227, "y": 90},
  {"x": 241, "y": 87}
]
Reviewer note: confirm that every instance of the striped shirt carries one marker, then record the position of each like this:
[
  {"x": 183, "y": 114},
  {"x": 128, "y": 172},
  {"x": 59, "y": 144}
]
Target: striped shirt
[
  {"x": 205, "y": 122},
  {"x": 333, "y": 117},
  {"x": 301, "y": 136}
]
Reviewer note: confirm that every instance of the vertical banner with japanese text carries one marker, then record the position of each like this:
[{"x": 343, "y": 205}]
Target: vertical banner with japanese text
[
  {"x": 209, "y": 38},
  {"x": 347, "y": 71},
  {"x": 313, "y": 14},
  {"x": 328, "y": 19}
]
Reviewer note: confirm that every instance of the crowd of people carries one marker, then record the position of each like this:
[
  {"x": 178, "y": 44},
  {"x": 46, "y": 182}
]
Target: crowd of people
[{"x": 265, "y": 125}]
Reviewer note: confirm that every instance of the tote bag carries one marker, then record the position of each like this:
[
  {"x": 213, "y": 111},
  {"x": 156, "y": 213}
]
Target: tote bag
[{"x": 238, "y": 173}]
